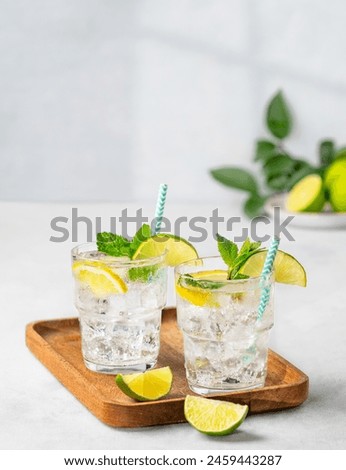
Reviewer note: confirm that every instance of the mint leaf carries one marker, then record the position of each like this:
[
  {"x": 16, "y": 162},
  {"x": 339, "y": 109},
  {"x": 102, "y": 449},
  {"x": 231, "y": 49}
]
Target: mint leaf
[
  {"x": 143, "y": 273},
  {"x": 239, "y": 276},
  {"x": 227, "y": 249},
  {"x": 141, "y": 235},
  {"x": 201, "y": 284},
  {"x": 236, "y": 259},
  {"x": 279, "y": 119},
  {"x": 113, "y": 245}
]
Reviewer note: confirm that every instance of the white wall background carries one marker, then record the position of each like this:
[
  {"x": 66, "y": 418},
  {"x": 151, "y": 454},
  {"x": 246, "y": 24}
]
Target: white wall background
[{"x": 104, "y": 99}]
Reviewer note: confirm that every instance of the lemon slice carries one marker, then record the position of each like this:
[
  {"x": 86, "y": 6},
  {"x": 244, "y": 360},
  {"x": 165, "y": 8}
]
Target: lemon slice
[
  {"x": 178, "y": 249},
  {"x": 99, "y": 277},
  {"x": 217, "y": 275},
  {"x": 287, "y": 269},
  {"x": 307, "y": 195},
  {"x": 196, "y": 287},
  {"x": 214, "y": 417},
  {"x": 146, "y": 386},
  {"x": 197, "y": 297}
]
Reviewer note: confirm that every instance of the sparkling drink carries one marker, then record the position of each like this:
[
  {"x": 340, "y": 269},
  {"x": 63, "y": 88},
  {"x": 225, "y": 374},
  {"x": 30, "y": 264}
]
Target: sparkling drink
[
  {"x": 225, "y": 344},
  {"x": 119, "y": 303}
]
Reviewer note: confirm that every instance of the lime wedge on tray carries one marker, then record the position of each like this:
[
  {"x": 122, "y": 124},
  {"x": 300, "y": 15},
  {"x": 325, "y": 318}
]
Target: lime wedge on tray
[
  {"x": 146, "y": 386},
  {"x": 287, "y": 269},
  {"x": 99, "y": 277},
  {"x": 214, "y": 417},
  {"x": 178, "y": 249},
  {"x": 307, "y": 195}
]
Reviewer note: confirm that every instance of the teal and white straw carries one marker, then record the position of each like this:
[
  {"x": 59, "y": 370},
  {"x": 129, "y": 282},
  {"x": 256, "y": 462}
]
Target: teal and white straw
[
  {"x": 160, "y": 207},
  {"x": 266, "y": 272}
]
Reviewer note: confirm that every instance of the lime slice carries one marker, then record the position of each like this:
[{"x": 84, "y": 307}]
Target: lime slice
[
  {"x": 307, "y": 195},
  {"x": 178, "y": 250},
  {"x": 146, "y": 386},
  {"x": 337, "y": 193},
  {"x": 214, "y": 417},
  {"x": 336, "y": 170},
  {"x": 99, "y": 277},
  {"x": 287, "y": 269}
]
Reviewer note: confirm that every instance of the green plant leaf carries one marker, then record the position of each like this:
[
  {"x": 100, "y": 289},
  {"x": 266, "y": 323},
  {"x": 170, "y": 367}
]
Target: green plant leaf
[
  {"x": 264, "y": 150},
  {"x": 235, "y": 178},
  {"x": 326, "y": 152},
  {"x": 341, "y": 153},
  {"x": 279, "y": 119},
  {"x": 227, "y": 249},
  {"x": 278, "y": 183},
  {"x": 301, "y": 169},
  {"x": 253, "y": 206},
  {"x": 278, "y": 165}
]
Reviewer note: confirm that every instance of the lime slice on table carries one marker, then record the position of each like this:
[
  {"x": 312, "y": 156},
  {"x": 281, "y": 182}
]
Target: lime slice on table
[
  {"x": 178, "y": 250},
  {"x": 214, "y": 417},
  {"x": 287, "y": 269},
  {"x": 146, "y": 386},
  {"x": 307, "y": 195},
  {"x": 196, "y": 287},
  {"x": 99, "y": 277}
]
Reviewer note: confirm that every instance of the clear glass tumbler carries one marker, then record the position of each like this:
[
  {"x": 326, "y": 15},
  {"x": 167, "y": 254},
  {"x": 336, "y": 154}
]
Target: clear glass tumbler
[
  {"x": 225, "y": 343},
  {"x": 120, "y": 332}
]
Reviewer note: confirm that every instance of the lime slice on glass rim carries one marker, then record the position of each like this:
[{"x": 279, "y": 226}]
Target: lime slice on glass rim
[
  {"x": 287, "y": 269},
  {"x": 214, "y": 417},
  {"x": 307, "y": 195},
  {"x": 146, "y": 386},
  {"x": 99, "y": 277},
  {"x": 178, "y": 249}
]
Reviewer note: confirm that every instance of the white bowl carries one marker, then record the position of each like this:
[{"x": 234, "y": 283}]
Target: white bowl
[{"x": 326, "y": 219}]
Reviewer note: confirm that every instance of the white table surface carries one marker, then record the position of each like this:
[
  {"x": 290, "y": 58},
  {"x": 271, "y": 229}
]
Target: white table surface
[{"x": 37, "y": 412}]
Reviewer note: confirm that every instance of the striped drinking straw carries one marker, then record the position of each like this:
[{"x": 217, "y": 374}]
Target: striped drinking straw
[
  {"x": 267, "y": 270},
  {"x": 160, "y": 207}
]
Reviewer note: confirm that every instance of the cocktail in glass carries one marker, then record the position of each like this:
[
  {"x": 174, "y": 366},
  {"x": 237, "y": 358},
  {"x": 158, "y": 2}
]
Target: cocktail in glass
[
  {"x": 119, "y": 301},
  {"x": 225, "y": 341}
]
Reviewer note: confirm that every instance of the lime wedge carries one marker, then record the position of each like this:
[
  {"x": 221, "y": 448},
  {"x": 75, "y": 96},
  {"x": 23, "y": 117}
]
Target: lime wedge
[
  {"x": 287, "y": 269},
  {"x": 146, "y": 386},
  {"x": 178, "y": 249},
  {"x": 99, "y": 278},
  {"x": 214, "y": 417},
  {"x": 307, "y": 195}
]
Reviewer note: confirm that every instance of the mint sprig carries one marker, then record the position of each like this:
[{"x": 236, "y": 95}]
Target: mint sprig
[
  {"x": 117, "y": 245},
  {"x": 113, "y": 245},
  {"x": 236, "y": 258}
]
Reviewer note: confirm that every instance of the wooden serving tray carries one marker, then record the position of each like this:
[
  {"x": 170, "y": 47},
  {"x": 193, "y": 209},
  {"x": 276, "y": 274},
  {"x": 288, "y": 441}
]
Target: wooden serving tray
[{"x": 56, "y": 343}]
